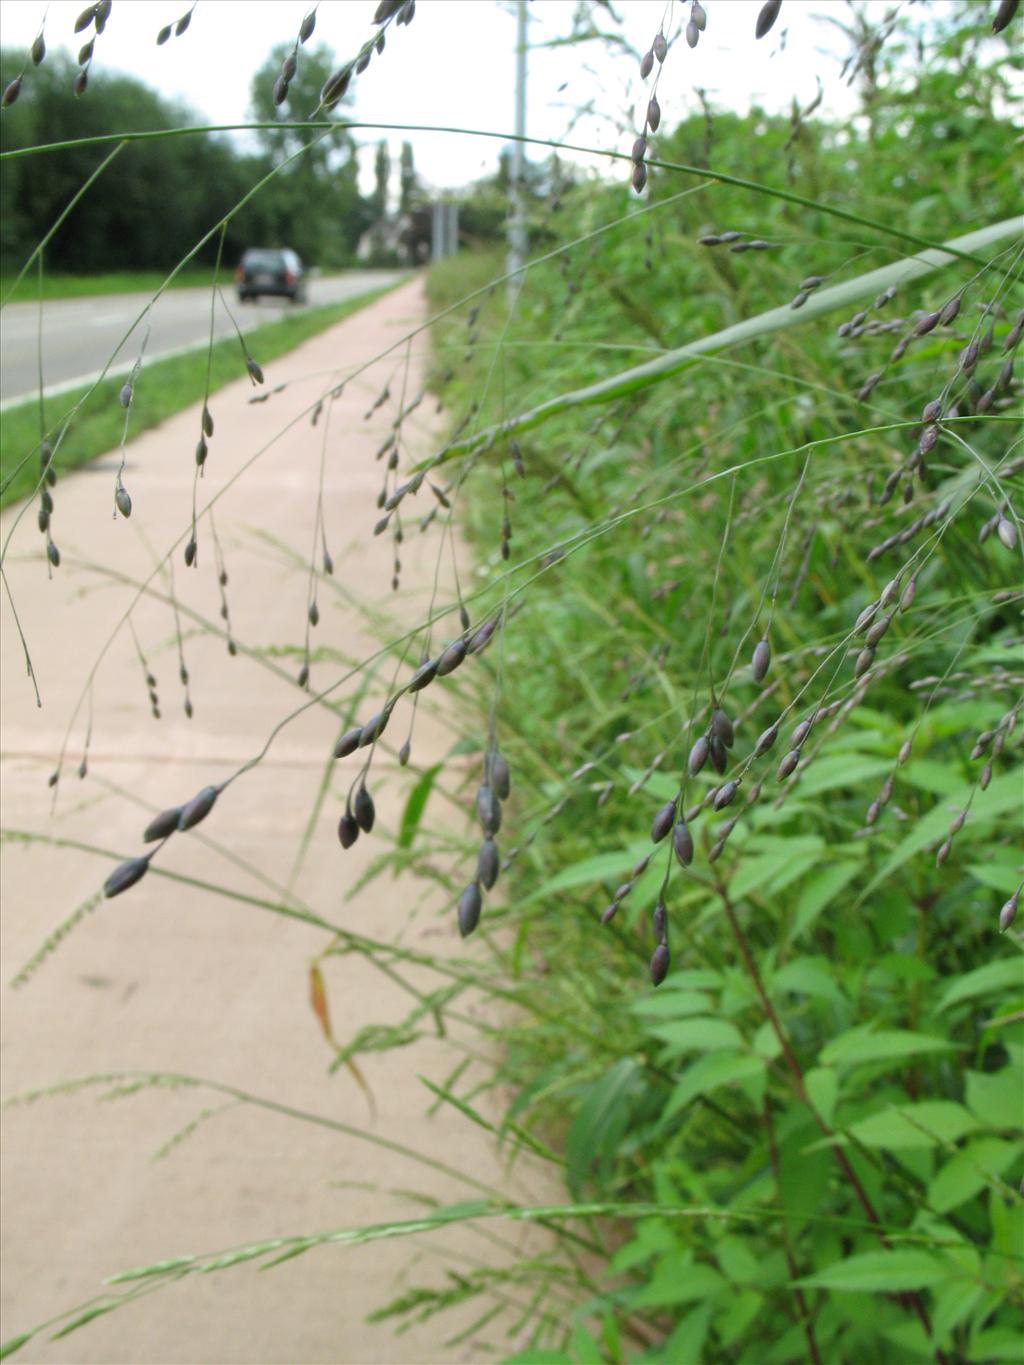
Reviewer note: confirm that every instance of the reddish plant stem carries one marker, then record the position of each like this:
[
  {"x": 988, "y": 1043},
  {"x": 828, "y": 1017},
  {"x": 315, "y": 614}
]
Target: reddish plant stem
[
  {"x": 806, "y": 1321},
  {"x": 911, "y": 1299}
]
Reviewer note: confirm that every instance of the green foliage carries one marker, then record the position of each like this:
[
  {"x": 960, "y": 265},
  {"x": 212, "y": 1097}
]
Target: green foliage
[{"x": 660, "y": 536}]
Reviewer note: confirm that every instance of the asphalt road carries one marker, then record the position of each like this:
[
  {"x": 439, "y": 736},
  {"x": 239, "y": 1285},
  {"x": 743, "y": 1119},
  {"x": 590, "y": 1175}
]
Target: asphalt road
[{"x": 80, "y": 335}]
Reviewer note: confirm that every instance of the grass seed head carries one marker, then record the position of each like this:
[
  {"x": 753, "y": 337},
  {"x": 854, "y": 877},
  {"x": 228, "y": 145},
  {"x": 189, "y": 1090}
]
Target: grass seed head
[
  {"x": 682, "y": 843},
  {"x": 38, "y": 50},
  {"x": 487, "y": 864},
  {"x": 639, "y": 177},
  {"x": 653, "y": 113},
  {"x": 123, "y": 501},
  {"x": 125, "y": 875},
  {"x": 698, "y": 15},
  {"x": 499, "y": 775},
  {"x": 717, "y": 753},
  {"x": 374, "y": 728},
  {"x": 659, "y": 922},
  {"x": 364, "y": 809},
  {"x": 488, "y": 809},
  {"x": 639, "y": 151},
  {"x": 663, "y": 821},
  {"x": 426, "y": 673},
  {"x": 1007, "y": 532},
  {"x": 788, "y": 764},
  {"x": 659, "y": 964},
  {"x": 190, "y": 553},
  {"x": 348, "y": 743},
  {"x": 314, "y": 614},
  {"x": 761, "y": 659},
  {"x": 698, "y": 756},
  {"x": 722, "y": 727},
  {"x": 12, "y": 92},
  {"x": 769, "y": 12},
  {"x": 725, "y": 795},
  {"x": 1009, "y": 912},
  {"x": 198, "y": 808},
  {"x": 470, "y": 905},
  {"x": 348, "y": 830},
  {"x": 451, "y": 658},
  {"x": 162, "y": 825},
  {"x": 864, "y": 661},
  {"x": 163, "y": 35},
  {"x": 646, "y": 65},
  {"x": 53, "y": 554},
  {"x": 660, "y": 48},
  {"x": 692, "y": 34},
  {"x": 766, "y": 740},
  {"x": 308, "y": 25}
]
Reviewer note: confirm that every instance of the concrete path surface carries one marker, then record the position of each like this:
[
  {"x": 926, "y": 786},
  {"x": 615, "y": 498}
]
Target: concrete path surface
[
  {"x": 79, "y": 332},
  {"x": 172, "y": 978}
]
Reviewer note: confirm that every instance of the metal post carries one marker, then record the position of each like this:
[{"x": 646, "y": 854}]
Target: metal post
[{"x": 517, "y": 218}]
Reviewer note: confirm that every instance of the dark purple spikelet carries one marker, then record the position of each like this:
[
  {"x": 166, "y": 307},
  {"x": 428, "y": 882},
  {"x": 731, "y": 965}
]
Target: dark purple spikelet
[
  {"x": 198, "y": 808},
  {"x": 163, "y": 35},
  {"x": 639, "y": 177},
  {"x": 81, "y": 83},
  {"x": 348, "y": 830},
  {"x": 487, "y": 864},
  {"x": 726, "y": 794},
  {"x": 499, "y": 776},
  {"x": 722, "y": 727},
  {"x": 426, "y": 673},
  {"x": 385, "y": 10},
  {"x": 364, "y": 809},
  {"x": 663, "y": 821},
  {"x": 639, "y": 151},
  {"x": 761, "y": 660},
  {"x": 1004, "y": 14},
  {"x": 53, "y": 554},
  {"x": 488, "y": 809},
  {"x": 718, "y": 755},
  {"x": 12, "y": 92},
  {"x": 470, "y": 905},
  {"x": 682, "y": 843},
  {"x": 162, "y": 825},
  {"x": 788, "y": 763},
  {"x": 280, "y": 91},
  {"x": 122, "y": 500},
  {"x": 348, "y": 743},
  {"x": 660, "y": 48},
  {"x": 255, "y": 371},
  {"x": 766, "y": 18},
  {"x": 698, "y": 756},
  {"x": 38, "y": 50},
  {"x": 646, "y": 65},
  {"x": 306, "y": 27},
  {"x": 659, "y": 964},
  {"x": 125, "y": 875},
  {"x": 653, "y": 113},
  {"x": 85, "y": 18},
  {"x": 766, "y": 740},
  {"x": 374, "y": 728},
  {"x": 451, "y": 658}
]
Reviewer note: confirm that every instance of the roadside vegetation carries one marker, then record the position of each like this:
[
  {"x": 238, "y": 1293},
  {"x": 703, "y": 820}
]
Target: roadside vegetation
[{"x": 740, "y": 659}]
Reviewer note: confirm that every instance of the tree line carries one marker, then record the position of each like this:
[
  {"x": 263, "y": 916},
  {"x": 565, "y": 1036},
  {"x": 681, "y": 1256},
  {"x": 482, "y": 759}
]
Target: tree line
[{"x": 159, "y": 197}]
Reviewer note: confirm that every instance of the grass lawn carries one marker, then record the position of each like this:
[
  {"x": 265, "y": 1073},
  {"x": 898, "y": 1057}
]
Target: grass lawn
[
  {"x": 165, "y": 387},
  {"x": 87, "y": 286}
]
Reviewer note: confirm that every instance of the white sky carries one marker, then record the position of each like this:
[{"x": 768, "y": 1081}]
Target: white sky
[{"x": 454, "y": 65}]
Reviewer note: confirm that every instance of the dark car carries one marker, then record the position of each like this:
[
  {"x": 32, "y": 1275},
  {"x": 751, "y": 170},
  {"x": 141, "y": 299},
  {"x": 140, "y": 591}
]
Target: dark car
[{"x": 278, "y": 273}]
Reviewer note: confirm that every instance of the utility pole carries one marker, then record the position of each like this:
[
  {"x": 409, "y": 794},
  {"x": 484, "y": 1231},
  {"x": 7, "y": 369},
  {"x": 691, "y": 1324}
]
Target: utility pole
[{"x": 517, "y": 216}]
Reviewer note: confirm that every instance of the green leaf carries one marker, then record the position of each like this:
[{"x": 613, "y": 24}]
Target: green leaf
[
  {"x": 414, "y": 807},
  {"x": 886, "y": 1272},
  {"x": 915, "y": 1125},
  {"x": 603, "y": 867},
  {"x": 994, "y": 976},
  {"x": 674, "y": 1283},
  {"x": 997, "y": 1097},
  {"x": 600, "y": 1121},
  {"x": 970, "y": 1170},
  {"x": 822, "y": 1089},
  {"x": 687, "y": 1340},
  {"x": 808, "y": 976},
  {"x": 672, "y": 1004},
  {"x": 709, "y": 1073},
  {"x": 886, "y": 1045},
  {"x": 1001, "y": 798},
  {"x": 819, "y": 893},
  {"x": 709, "y": 1035},
  {"x": 13, "y": 1344}
]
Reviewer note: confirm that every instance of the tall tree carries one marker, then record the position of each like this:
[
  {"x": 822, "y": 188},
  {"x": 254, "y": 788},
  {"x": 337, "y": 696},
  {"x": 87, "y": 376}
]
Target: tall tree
[
  {"x": 313, "y": 205},
  {"x": 382, "y": 174},
  {"x": 408, "y": 184}
]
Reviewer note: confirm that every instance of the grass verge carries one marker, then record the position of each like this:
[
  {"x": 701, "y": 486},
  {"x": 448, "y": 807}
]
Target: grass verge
[
  {"x": 166, "y": 386},
  {"x": 88, "y": 286}
]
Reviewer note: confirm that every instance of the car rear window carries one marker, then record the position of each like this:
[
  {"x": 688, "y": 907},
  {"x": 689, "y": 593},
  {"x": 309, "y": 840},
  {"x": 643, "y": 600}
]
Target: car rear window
[{"x": 263, "y": 260}]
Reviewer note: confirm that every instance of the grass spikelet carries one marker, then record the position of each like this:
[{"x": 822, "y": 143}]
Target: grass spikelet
[
  {"x": 767, "y": 15},
  {"x": 364, "y": 809},
  {"x": 470, "y": 905},
  {"x": 198, "y": 808},
  {"x": 663, "y": 821},
  {"x": 125, "y": 875},
  {"x": 660, "y": 961}
]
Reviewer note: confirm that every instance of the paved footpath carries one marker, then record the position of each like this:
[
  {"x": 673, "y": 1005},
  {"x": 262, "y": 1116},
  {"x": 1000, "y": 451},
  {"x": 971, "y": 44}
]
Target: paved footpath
[{"x": 174, "y": 979}]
